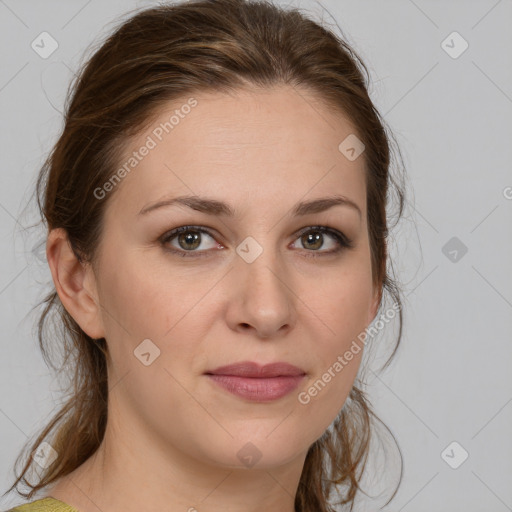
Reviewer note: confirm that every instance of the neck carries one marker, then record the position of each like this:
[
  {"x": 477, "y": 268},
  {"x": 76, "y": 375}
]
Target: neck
[{"x": 134, "y": 474}]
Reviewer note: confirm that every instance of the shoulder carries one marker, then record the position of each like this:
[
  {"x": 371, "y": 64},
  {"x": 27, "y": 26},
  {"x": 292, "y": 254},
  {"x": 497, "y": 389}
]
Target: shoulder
[{"x": 44, "y": 505}]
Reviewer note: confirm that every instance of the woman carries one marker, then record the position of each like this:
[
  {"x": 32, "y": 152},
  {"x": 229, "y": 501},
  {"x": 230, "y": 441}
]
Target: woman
[{"x": 216, "y": 212}]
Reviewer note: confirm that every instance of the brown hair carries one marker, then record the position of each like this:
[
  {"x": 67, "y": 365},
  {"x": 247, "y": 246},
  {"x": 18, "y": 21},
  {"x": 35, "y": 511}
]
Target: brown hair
[{"x": 157, "y": 55}]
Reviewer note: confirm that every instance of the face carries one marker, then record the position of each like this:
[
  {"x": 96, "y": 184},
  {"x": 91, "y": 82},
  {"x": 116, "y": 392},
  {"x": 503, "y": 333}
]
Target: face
[{"x": 263, "y": 284}]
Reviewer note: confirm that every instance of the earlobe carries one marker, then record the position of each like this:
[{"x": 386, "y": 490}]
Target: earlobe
[{"x": 72, "y": 280}]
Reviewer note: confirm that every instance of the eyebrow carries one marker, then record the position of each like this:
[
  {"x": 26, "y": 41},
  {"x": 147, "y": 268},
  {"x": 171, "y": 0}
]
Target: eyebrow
[{"x": 215, "y": 207}]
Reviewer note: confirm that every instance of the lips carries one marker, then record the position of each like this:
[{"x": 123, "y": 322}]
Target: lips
[
  {"x": 251, "y": 369},
  {"x": 255, "y": 382}
]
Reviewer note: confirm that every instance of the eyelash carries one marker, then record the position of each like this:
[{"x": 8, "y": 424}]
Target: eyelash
[{"x": 343, "y": 241}]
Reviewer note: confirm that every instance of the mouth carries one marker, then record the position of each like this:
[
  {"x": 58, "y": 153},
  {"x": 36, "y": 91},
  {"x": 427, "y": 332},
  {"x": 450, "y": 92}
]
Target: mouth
[
  {"x": 254, "y": 370},
  {"x": 258, "y": 383}
]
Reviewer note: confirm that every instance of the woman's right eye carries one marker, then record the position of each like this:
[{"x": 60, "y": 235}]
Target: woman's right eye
[{"x": 188, "y": 238}]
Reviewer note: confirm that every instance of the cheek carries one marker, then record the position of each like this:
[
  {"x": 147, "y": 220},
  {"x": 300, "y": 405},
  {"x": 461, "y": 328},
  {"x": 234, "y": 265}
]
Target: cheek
[
  {"x": 140, "y": 308},
  {"x": 130, "y": 311},
  {"x": 342, "y": 306},
  {"x": 342, "y": 309},
  {"x": 139, "y": 304}
]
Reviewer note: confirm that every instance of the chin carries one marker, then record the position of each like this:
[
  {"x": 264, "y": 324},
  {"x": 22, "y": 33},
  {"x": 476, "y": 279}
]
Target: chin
[{"x": 254, "y": 448}]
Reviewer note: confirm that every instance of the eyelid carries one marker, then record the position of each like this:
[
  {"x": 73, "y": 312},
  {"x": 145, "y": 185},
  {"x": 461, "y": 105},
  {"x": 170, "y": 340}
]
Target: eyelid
[{"x": 324, "y": 228}]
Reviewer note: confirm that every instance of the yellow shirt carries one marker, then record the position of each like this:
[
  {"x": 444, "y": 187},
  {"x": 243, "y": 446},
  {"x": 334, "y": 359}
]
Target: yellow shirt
[{"x": 44, "y": 505}]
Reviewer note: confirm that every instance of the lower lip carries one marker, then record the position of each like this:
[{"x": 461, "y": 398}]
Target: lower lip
[{"x": 258, "y": 389}]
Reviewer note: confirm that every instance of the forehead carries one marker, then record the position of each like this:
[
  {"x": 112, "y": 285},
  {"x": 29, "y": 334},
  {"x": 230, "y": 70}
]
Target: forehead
[{"x": 260, "y": 146}]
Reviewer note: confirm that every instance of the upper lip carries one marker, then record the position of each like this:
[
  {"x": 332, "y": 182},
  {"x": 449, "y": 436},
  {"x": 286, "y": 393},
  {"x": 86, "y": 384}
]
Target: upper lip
[{"x": 252, "y": 369}]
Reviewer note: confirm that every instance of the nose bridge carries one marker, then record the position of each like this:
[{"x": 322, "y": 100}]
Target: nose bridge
[
  {"x": 260, "y": 263},
  {"x": 263, "y": 296}
]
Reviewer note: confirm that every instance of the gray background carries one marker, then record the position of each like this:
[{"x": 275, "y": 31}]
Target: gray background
[{"x": 451, "y": 380}]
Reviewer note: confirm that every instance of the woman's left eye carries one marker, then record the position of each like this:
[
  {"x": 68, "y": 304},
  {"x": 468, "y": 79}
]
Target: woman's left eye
[
  {"x": 314, "y": 237},
  {"x": 189, "y": 238}
]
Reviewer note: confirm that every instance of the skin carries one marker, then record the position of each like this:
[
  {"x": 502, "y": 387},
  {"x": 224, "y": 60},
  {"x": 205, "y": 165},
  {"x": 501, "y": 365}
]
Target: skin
[{"x": 172, "y": 435}]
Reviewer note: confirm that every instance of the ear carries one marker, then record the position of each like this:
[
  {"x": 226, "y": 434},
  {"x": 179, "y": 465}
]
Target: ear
[{"x": 75, "y": 284}]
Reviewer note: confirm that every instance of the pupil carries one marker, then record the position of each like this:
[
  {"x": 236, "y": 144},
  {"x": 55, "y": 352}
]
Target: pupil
[
  {"x": 314, "y": 238},
  {"x": 190, "y": 239}
]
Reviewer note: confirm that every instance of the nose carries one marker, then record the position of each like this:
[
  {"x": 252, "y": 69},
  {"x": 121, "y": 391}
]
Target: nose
[{"x": 262, "y": 298}]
